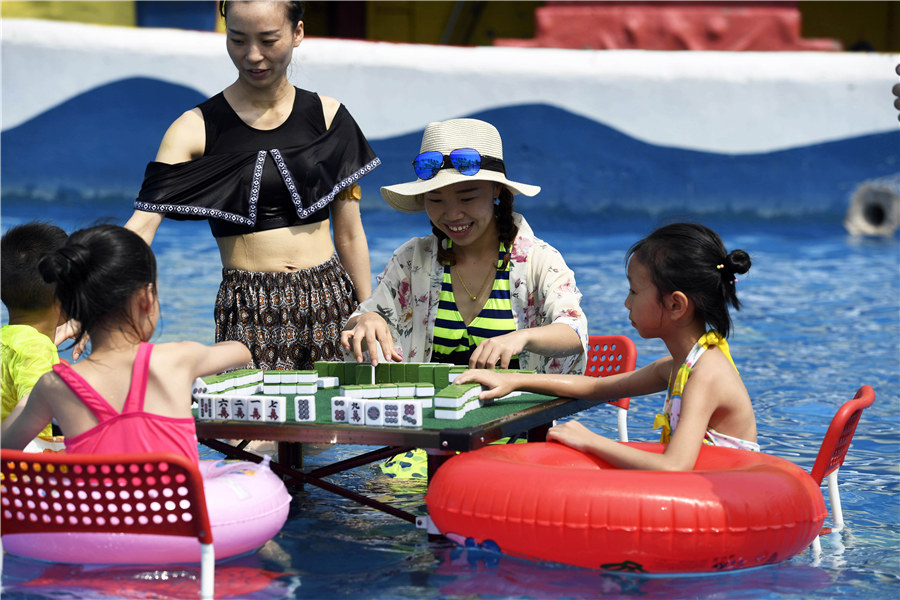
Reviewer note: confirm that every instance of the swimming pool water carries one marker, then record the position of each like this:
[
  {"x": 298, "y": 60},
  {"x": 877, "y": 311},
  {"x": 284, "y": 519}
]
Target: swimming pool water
[{"x": 821, "y": 317}]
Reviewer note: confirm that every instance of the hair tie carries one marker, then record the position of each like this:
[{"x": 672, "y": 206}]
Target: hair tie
[{"x": 719, "y": 267}]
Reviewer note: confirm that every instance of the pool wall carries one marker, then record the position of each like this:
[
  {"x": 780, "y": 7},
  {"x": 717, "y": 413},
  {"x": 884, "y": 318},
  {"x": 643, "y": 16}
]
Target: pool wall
[{"x": 770, "y": 134}]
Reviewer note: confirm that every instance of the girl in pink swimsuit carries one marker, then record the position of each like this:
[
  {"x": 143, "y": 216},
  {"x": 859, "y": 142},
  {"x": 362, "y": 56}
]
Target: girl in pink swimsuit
[
  {"x": 681, "y": 282},
  {"x": 127, "y": 395}
]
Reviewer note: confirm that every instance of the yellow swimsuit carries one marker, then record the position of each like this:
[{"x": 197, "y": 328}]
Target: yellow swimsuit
[{"x": 668, "y": 419}]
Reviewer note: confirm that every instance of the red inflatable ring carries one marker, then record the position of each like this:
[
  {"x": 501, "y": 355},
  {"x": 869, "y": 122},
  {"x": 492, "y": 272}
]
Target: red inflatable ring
[{"x": 735, "y": 510}]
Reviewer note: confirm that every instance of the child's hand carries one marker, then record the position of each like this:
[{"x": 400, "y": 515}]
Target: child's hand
[
  {"x": 572, "y": 434},
  {"x": 66, "y": 331},
  {"x": 497, "y": 384}
]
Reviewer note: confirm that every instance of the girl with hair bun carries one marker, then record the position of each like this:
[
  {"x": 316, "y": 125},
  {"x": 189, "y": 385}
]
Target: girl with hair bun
[
  {"x": 128, "y": 395},
  {"x": 681, "y": 283}
]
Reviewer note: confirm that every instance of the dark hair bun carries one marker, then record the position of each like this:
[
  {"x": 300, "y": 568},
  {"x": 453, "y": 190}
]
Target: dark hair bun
[
  {"x": 738, "y": 262},
  {"x": 97, "y": 272},
  {"x": 66, "y": 266}
]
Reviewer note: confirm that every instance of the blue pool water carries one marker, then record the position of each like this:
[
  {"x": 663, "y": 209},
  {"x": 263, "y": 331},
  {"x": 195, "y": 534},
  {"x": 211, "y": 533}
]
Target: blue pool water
[{"x": 821, "y": 317}]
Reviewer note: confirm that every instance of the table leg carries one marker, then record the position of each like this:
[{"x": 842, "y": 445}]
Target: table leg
[
  {"x": 539, "y": 434},
  {"x": 436, "y": 458},
  {"x": 290, "y": 454}
]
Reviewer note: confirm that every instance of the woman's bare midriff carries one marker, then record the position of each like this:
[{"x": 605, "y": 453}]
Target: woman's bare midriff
[{"x": 278, "y": 250}]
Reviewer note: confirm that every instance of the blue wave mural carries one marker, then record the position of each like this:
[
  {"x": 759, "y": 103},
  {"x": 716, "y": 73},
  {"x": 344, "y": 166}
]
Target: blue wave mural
[
  {"x": 97, "y": 145},
  {"x": 585, "y": 166}
]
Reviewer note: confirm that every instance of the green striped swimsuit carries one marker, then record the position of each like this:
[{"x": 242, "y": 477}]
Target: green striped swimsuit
[{"x": 454, "y": 342}]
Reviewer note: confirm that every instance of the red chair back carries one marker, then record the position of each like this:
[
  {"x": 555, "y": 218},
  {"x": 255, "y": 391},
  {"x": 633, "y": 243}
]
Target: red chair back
[
  {"x": 610, "y": 354},
  {"x": 840, "y": 432},
  {"x": 156, "y": 493}
]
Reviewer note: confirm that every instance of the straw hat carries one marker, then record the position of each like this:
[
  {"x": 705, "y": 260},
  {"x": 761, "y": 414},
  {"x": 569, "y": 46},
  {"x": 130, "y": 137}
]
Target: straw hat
[{"x": 444, "y": 137}]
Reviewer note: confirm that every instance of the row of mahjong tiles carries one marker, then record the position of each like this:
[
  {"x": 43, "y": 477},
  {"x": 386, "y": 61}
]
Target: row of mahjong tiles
[
  {"x": 319, "y": 409},
  {"x": 397, "y": 412},
  {"x": 449, "y": 402},
  {"x": 333, "y": 374},
  {"x": 356, "y": 404}
]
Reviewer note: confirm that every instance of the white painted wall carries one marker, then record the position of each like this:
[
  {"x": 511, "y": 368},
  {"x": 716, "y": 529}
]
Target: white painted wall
[{"x": 714, "y": 101}]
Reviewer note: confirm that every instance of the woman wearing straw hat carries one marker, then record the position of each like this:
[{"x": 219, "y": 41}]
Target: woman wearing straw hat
[{"x": 482, "y": 290}]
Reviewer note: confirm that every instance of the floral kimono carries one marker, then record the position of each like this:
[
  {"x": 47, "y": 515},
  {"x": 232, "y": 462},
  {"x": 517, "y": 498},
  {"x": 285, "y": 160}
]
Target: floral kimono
[{"x": 542, "y": 291}]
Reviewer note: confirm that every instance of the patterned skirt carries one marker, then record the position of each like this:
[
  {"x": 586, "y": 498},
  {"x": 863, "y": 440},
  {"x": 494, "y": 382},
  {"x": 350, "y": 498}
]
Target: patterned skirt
[{"x": 288, "y": 320}]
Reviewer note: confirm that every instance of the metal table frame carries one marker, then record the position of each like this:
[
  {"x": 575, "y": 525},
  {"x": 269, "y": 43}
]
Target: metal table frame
[{"x": 440, "y": 444}]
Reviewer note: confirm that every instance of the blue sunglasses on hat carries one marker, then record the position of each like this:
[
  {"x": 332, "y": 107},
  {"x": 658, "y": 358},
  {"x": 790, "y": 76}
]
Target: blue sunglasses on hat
[{"x": 467, "y": 161}]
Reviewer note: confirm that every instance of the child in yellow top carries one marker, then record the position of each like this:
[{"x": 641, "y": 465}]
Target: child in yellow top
[
  {"x": 681, "y": 281},
  {"x": 28, "y": 342}
]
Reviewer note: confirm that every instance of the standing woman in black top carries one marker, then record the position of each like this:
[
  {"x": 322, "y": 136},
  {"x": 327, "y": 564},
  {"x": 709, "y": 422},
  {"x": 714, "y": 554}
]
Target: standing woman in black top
[{"x": 273, "y": 168}]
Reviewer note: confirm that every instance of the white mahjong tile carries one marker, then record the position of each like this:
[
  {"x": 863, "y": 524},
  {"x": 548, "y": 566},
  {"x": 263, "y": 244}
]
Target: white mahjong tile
[
  {"x": 449, "y": 402},
  {"x": 198, "y": 388},
  {"x": 424, "y": 389},
  {"x": 246, "y": 389},
  {"x": 473, "y": 394},
  {"x": 216, "y": 387},
  {"x": 340, "y": 409},
  {"x": 290, "y": 378},
  {"x": 239, "y": 407},
  {"x": 371, "y": 392},
  {"x": 275, "y": 409},
  {"x": 223, "y": 408},
  {"x": 307, "y": 377},
  {"x": 448, "y": 413},
  {"x": 304, "y": 408},
  {"x": 327, "y": 382},
  {"x": 392, "y": 413},
  {"x": 271, "y": 378},
  {"x": 271, "y": 389},
  {"x": 374, "y": 411},
  {"x": 287, "y": 389},
  {"x": 205, "y": 408},
  {"x": 411, "y": 413},
  {"x": 356, "y": 416},
  {"x": 306, "y": 389},
  {"x": 256, "y": 409}
]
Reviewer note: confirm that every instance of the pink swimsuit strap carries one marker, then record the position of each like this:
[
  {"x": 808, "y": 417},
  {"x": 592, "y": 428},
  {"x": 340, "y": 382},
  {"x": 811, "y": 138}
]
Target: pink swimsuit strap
[{"x": 95, "y": 402}]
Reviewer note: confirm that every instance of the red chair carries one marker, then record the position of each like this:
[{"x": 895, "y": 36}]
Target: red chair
[
  {"x": 609, "y": 354},
  {"x": 834, "y": 450},
  {"x": 103, "y": 492}
]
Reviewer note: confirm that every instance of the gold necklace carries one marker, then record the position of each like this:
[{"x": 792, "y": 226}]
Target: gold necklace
[{"x": 465, "y": 287}]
